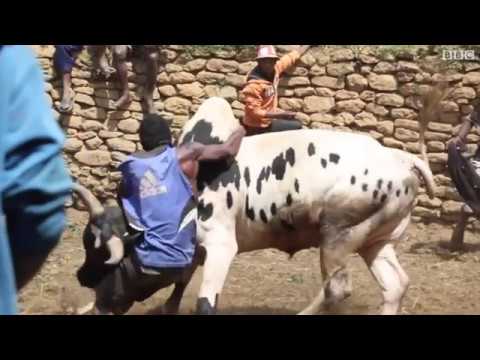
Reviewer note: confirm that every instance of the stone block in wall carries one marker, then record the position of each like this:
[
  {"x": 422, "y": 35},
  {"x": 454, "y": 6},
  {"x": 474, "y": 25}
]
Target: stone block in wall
[
  {"x": 239, "y": 114},
  {"x": 340, "y": 69},
  {"x": 365, "y": 120},
  {"x": 326, "y": 92},
  {"x": 405, "y": 135},
  {"x": 245, "y": 68},
  {"x": 412, "y": 147},
  {"x": 439, "y": 127},
  {"x": 382, "y": 82},
  {"x": 178, "y": 105},
  {"x": 104, "y": 134},
  {"x": 376, "y": 135},
  {"x": 224, "y": 53},
  {"x": 408, "y": 67},
  {"x": 285, "y": 92},
  {"x": 69, "y": 121},
  {"x": 472, "y": 138},
  {"x": 439, "y": 158},
  {"x": 404, "y": 77},
  {"x": 304, "y": 119},
  {"x": 443, "y": 180},
  {"x": 322, "y": 117},
  {"x": 245, "y": 55},
  {"x": 94, "y": 143},
  {"x": 118, "y": 115},
  {"x": 171, "y": 68},
  {"x": 343, "y": 118},
  {"x": 342, "y": 55},
  {"x": 238, "y": 105},
  {"x": 294, "y": 81},
  {"x": 167, "y": 90},
  {"x": 163, "y": 78},
  {"x": 195, "y": 65},
  {"x": 290, "y": 104},
  {"x": 72, "y": 132},
  {"x": 93, "y": 113},
  {"x": 228, "y": 93},
  {"x": 235, "y": 80},
  {"x": 317, "y": 70},
  {"x": 81, "y": 74},
  {"x": 352, "y": 106},
  {"x": 407, "y": 124},
  {"x": 212, "y": 90},
  {"x": 223, "y": 66},
  {"x": 378, "y": 110},
  {"x": 393, "y": 100},
  {"x": 86, "y": 90},
  {"x": 167, "y": 55},
  {"x": 297, "y": 71},
  {"x": 449, "y": 106},
  {"x": 314, "y": 104},
  {"x": 463, "y": 92},
  {"x": 307, "y": 60},
  {"x": 72, "y": 145},
  {"x": 368, "y": 96},
  {"x": 346, "y": 95},
  {"x": 181, "y": 77},
  {"x": 122, "y": 145},
  {"x": 119, "y": 156},
  {"x": 305, "y": 91},
  {"x": 435, "y": 146},
  {"x": 384, "y": 67},
  {"x": 328, "y": 82},
  {"x": 319, "y": 125},
  {"x": 132, "y": 137},
  {"x": 435, "y": 136},
  {"x": 393, "y": 143},
  {"x": 86, "y": 135},
  {"x": 194, "y": 90},
  {"x": 91, "y": 125},
  {"x": 93, "y": 157},
  {"x": 206, "y": 77},
  {"x": 385, "y": 127},
  {"x": 451, "y": 207},
  {"x": 129, "y": 126},
  {"x": 426, "y": 213},
  {"x": 322, "y": 57},
  {"x": 368, "y": 58}
]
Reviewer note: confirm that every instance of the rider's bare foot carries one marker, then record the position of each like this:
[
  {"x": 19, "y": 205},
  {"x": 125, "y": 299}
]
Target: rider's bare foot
[
  {"x": 125, "y": 100},
  {"x": 66, "y": 105}
]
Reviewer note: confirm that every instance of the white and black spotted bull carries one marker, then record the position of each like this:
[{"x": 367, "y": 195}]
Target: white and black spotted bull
[{"x": 342, "y": 192}]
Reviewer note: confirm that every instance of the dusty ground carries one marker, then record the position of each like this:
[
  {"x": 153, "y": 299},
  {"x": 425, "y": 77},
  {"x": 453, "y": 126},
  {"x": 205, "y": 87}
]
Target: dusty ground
[{"x": 267, "y": 282}]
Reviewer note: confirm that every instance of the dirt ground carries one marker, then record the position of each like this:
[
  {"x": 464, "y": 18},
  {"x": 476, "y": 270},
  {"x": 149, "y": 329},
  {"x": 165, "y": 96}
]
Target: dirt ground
[{"x": 267, "y": 282}]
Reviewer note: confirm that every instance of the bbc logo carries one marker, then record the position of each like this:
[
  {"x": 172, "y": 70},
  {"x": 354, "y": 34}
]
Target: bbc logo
[{"x": 459, "y": 55}]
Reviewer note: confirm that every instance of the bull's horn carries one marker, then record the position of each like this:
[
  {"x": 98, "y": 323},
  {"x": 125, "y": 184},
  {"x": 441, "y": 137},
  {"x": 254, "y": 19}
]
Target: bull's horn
[
  {"x": 117, "y": 250},
  {"x": 94, "y": 206}
]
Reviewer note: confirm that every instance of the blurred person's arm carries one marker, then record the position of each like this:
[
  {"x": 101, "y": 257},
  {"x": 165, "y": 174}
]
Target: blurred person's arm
[{"x": 37, "y": 182}]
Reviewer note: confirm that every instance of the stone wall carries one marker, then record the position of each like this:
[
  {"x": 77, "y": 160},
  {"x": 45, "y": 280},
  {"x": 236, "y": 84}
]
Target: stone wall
[{"x": 339, "y": 89}]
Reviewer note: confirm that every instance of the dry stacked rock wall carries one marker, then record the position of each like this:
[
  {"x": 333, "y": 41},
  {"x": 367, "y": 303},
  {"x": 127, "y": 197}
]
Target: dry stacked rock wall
[{"x": 362, "y": 92}]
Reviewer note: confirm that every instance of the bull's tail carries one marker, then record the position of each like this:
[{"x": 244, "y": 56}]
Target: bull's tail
[
  {"x": 426, "y": 173},
  {"x": 94, "y": 206}
]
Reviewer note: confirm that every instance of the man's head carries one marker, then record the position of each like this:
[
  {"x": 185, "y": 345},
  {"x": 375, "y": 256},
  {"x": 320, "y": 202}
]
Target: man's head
[
  {"x": 154, "y": 132},
  {"x": 267, "y": 58}
]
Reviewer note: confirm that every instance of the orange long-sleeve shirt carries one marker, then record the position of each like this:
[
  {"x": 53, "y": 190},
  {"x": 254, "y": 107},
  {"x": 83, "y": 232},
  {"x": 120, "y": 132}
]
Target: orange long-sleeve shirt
[{"x": 261, "y": 96}]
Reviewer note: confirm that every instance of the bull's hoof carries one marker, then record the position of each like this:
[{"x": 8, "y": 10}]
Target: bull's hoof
[{"x": 204, "y": 307}]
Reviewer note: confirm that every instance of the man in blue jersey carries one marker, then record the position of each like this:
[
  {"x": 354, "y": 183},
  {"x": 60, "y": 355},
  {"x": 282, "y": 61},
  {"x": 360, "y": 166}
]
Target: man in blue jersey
[
  {"x": 34, "y": 183},
  {"x": 158, "y": 196}
]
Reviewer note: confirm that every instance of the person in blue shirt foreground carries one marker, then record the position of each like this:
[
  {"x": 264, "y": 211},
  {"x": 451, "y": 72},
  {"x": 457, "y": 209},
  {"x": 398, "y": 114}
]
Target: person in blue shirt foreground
[{"x": 34, "y": 183}]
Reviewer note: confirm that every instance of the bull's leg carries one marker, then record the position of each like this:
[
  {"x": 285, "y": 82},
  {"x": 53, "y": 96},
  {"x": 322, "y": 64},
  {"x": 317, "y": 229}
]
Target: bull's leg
[
  {"x": 389, "y": 274},
  {"x": 221, "y": 248},
  {"x": 336, "y": 283},
  {"x": 456, "y": 241}
]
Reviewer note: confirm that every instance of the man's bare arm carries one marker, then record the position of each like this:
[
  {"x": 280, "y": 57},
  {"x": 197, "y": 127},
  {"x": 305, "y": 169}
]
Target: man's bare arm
[{"x": 200, "y": 152}]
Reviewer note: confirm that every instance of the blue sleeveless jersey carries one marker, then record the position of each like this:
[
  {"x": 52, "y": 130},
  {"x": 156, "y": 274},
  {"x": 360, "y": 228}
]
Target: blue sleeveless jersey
[{"x": 158, "y": 200}]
